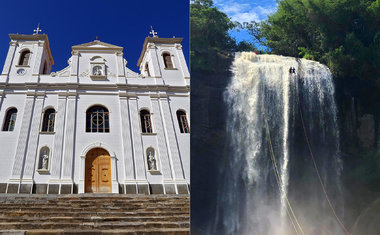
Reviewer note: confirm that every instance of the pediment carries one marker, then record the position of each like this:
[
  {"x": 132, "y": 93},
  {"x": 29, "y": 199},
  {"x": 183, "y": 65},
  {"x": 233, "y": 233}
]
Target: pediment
[{"x": 96, "y": 44}]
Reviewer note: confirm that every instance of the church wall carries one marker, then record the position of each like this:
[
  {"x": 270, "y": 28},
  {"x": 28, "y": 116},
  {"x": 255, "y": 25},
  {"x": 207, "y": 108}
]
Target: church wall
[
  {"x": 149, "y": 140},
  {"x": 46, "y": 140},
  {"x": 9, "y": 139},
  {"x": 182, "y": 103},
  {"x": 173, "y": 77},
  {"x": 84, "y": 68},
  {"x": 111, "y": 139},
  {"x": 71, "y": 92}
]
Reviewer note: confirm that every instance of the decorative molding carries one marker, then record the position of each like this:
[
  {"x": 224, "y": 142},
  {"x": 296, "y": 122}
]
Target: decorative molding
[
  {"x": 84, "y": 74},
  {"x": 97, "y": 145}
]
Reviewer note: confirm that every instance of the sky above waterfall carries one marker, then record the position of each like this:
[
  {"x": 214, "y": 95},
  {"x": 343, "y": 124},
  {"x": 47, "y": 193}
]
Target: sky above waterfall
[{"x": 246, "y": 11}]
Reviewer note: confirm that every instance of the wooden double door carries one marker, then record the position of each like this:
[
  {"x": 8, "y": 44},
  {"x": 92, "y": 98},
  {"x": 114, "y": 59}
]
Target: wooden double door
[{"x": 98, "y": 172}]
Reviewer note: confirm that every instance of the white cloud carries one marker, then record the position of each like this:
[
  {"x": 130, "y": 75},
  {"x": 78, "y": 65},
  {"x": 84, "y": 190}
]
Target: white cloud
[{"x": 246, "y": 10}]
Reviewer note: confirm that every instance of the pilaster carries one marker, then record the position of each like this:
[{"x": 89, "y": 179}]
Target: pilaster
[
  {"x": 8, "y": 61},
  {"x": 69, "y": 138},
  {"x": 21, "y": 143},
  {"x": 151, "y": 49},
  {"x": 37, "y": 61},
  {"x": 136, "y": 139},
  {"x": 56, "y": 157},
  {"x": 31, "y": 154},
  {"x": 129, "y": 169},
  {"x": 120, "y": 67},
  {"x": 74, "y": 67},
  {"x": 182, "y": 61},
  {"x": 162, "y": 144},
  {"x": 171, "y": 139}
]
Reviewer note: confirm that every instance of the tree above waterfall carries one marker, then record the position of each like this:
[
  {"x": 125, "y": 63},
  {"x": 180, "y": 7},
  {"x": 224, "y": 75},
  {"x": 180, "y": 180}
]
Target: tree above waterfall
[
  {"x": 209, "y": 36},
  {"x": 344, "y": 34}
]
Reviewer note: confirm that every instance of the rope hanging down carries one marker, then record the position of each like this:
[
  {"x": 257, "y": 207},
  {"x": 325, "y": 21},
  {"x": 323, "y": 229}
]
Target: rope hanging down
[
  {"x": 291, "y": 214},
  {"x": 316, "y": 169}
]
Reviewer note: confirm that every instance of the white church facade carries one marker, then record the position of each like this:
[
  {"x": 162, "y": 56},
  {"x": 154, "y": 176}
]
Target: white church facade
[{"x": 95, "y": 126}]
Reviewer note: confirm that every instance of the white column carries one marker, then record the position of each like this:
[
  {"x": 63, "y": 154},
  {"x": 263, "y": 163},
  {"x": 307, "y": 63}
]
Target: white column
[
  {"x": 115, "y": 184},
  {"x": 182, "y": 61},
  {"x": 74, "y": 67},
  {"x": 171, "y": 139},
  {"x": 68, "y": 151},
  {"x": 37, "y": 59},
  {"x": 151, "y": 49},
  {"x": 120, "y": 68},
  {"x": 129, "y": 170},
  {"x": 136, "y": 139},
  {"x": 59, "y": 128},
  {"x": 162, "y": 144},
  {"x": 82, "y": 174},
  {"x": 23, "y": 136},
  {"x": 9, "y": 59},
  {"x": 1, "y": 98},
  {"x": 32, "y": 151}
]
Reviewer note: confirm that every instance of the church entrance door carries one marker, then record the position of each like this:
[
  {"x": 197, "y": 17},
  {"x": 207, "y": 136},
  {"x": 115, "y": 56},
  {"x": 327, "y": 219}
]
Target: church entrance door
[{"x": 98, "y": 171}]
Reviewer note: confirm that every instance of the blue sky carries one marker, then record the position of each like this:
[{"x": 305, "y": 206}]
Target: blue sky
[
  {"x": 246, "y": 11},
  {"x": 119, "y": 22}
]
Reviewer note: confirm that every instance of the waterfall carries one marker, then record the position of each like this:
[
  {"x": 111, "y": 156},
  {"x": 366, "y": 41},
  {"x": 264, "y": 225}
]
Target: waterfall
[{"x": 265, "y": 102}]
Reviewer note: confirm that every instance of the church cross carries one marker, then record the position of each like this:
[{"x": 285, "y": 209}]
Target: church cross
[
  {"x": 154, "y": 34},
  {"x": 36, "y": 31}
]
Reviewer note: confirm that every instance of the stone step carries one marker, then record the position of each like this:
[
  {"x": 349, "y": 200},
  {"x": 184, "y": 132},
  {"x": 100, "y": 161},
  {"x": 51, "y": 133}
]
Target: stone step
[
  {"x": 92, "y": 225},
  {"x": 89, "y": 214},
  {"x": 94, "y": 204},
  {"x": 168, "y": 231},
  {"x": 79, "y": 219},
  {"x": 99, "y": 214}
]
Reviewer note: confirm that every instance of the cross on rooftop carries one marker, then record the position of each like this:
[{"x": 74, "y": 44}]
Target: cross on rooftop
[
  {"x": 36, "y": 31},
  {"x": 154, "y": 34},
  {"x": 96, "y": 37}
]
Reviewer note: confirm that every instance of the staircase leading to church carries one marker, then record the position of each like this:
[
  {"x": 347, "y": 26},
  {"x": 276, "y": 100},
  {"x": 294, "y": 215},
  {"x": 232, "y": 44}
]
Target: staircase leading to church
[{"x": 94, "y": 214}]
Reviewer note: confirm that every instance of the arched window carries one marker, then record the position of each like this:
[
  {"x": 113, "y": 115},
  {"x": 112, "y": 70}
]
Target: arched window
[
  {"x": 44, "y": 159},
  {"x": 167, "y": 60},
  {"x": 182, "y": 122},
  {"x": 147, "y": 69},
  {"x": 97, "y": 119},
  {"x": 48, "y": 121},
  {"x": 146, "y": 124},
  {"x": 24, "y": 58},
  {"x": 10, "y": 120}
]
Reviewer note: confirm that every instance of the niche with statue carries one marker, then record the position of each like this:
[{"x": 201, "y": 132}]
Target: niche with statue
[
  {"x": 152, "y": 161},
  {"x": 44, "y": 160}
]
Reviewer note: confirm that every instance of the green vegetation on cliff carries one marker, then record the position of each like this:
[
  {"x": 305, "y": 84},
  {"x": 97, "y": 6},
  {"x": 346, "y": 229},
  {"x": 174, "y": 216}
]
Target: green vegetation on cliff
[
  {"x": 209, "y": 36},
  {"x": 343, "y": 34}
]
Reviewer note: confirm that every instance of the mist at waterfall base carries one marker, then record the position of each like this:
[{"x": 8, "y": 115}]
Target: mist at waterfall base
[{"x": 265, "y": 103}]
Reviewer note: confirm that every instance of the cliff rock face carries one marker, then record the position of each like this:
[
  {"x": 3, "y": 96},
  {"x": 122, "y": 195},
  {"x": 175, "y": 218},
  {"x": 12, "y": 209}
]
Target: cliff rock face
[
  {"x": 366, "y": 131},
  {"x": 208, "y": 144}
]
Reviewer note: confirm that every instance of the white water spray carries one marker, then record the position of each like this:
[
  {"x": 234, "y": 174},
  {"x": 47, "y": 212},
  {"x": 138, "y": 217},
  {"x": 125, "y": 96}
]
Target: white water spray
[{"x": 263, "y": 90}]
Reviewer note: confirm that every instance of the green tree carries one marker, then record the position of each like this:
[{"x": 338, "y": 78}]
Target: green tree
[
  {"x": 209, "y": 36},
  {"x": 344, "y": 34}
]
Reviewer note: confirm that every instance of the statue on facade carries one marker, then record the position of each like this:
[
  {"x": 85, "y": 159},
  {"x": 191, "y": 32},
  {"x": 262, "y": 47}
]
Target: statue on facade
[
  {"x": 45, "y": 161},
  {"x": 151, "y": 162},
  {"x": 97, "y": 70}
]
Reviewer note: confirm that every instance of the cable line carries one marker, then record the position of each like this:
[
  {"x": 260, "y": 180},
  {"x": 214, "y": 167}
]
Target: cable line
[
  {"x": 278, "y": 179},
  {"x": 316, "y": 169}
]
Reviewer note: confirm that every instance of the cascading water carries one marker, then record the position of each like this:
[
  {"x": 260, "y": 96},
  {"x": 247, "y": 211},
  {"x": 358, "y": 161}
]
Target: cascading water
[{"x": 265, "y": 102}]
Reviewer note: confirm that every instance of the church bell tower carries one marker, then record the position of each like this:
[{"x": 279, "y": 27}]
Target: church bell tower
[{"x": 28, "y": 57}]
